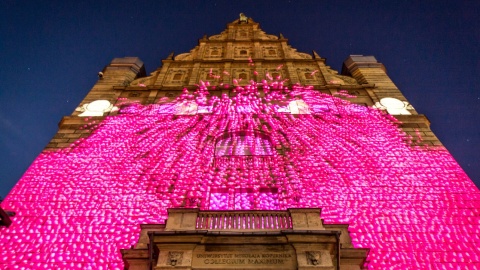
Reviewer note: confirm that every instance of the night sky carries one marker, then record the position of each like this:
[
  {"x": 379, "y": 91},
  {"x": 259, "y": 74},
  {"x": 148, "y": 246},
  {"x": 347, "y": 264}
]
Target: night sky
[{"x": 51, "y": 52}]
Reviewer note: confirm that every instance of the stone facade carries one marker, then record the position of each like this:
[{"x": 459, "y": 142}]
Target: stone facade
[
  {"x": 240, "y": 52},
  {"x": 243, "y": 125}
]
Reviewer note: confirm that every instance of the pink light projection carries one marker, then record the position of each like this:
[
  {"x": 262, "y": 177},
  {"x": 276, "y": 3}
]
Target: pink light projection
[{"x": 76, "y": 208}]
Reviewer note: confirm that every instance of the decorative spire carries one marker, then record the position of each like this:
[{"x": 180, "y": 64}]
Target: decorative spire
[
  {"x": 170, "y": 56},
  {"x": 315, "y": 55}
]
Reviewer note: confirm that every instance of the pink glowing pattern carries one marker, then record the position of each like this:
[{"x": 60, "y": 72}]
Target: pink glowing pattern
[{"x": 76, "y": 208}]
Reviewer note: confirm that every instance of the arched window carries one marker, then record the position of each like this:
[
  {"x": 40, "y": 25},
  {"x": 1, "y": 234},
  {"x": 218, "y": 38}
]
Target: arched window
[
  {"x": 214, "y": 53},
  {"x": 244, "y": 143}
]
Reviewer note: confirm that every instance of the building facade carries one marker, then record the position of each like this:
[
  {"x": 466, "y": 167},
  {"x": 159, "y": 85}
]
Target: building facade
[{"x": 243, "y": 123}]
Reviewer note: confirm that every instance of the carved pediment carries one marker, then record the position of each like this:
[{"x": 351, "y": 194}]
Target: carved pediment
[{"x": 241, "y": 30}]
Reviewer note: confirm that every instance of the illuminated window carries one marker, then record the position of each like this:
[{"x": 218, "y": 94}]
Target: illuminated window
[
  {"x": 177, "y": 77},
  {"x": 243, "y": 143}
]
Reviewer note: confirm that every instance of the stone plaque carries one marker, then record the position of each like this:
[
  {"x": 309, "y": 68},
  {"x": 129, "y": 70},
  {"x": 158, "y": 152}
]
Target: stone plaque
[{"x": 245, "y": 257}]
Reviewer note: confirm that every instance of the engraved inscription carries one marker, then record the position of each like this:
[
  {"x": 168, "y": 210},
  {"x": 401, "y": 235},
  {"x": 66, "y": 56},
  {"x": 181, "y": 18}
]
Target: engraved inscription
[
  {"x": 245, "y": 258},
  {"x": 274, "y": 260}
]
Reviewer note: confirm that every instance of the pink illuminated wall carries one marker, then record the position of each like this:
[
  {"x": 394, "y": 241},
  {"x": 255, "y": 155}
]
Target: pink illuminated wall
[{"x": 413, "y": 207}]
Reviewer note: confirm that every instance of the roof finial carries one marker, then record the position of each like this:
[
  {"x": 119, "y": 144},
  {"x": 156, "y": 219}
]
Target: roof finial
[{"x": 243, "y": 18}]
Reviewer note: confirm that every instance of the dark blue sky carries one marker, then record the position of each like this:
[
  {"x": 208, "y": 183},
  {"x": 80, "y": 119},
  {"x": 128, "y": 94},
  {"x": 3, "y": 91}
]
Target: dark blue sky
[{"x": 51, "y": 51}]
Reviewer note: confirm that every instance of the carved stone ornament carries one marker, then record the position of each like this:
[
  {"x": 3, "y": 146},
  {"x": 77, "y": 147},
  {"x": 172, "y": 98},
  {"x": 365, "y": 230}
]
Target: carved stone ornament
[
  {"x": 96, "y": 108},
  {"x": 313, "y": 257},
  {"x": 394, "y": 106},
  {"x": 174, "y": 258},
  {"x": 243, "y": 18}
]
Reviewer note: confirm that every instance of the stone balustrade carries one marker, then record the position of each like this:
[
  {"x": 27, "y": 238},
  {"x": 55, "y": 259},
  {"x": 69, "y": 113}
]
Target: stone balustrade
[{"x": 244, "y": 220}]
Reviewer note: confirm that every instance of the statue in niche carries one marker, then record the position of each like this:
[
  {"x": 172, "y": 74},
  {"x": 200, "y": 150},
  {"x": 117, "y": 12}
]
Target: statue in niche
[
  {"x": 174, "y": 258},
  {"x": 313, "y": 257}
]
